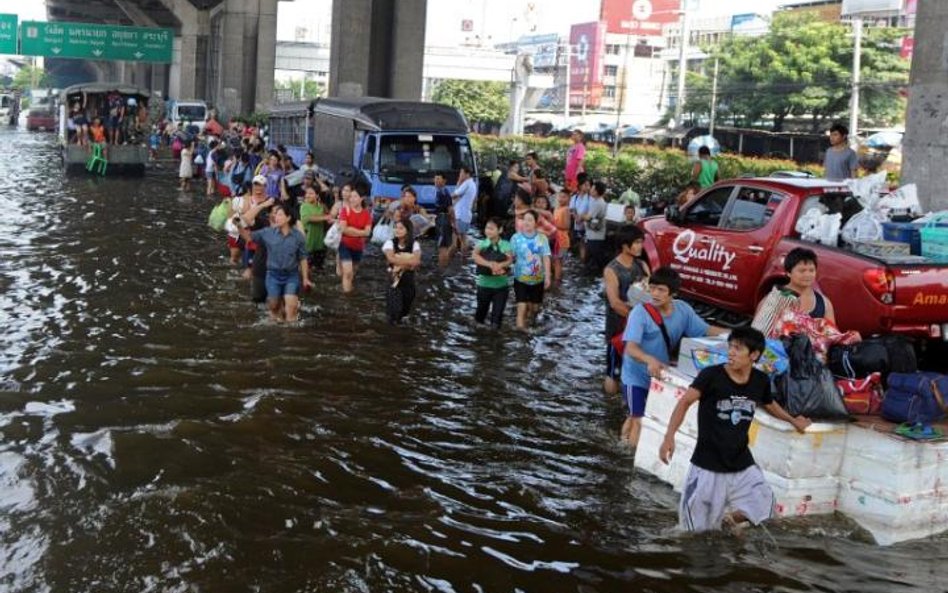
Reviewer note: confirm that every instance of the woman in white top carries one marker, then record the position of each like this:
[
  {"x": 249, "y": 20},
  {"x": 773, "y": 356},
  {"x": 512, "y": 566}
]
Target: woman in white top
[
  {"x": 186, "y": 171},
  {"x": 404, "y": 257}
]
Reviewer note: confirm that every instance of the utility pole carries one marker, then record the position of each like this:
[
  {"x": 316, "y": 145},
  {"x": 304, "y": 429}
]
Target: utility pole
[
  {"x": 714, "y": 97},
  {"x": 857, "y": 50},
  {"x": 566, "y": 94},
  {"x": 682, "y": 63},
  {"x": 623, "y": 81}
]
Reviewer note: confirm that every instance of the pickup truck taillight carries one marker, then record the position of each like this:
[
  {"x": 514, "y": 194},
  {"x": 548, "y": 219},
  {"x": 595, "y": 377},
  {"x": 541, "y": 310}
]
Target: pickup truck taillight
[{"x": 881, "y": 283}]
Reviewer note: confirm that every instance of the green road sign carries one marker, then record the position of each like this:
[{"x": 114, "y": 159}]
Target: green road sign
[
  {"x": 95, "y": 42},
  {"x": 7, "y": 33}
]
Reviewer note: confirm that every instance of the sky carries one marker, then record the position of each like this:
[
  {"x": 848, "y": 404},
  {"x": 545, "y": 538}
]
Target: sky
[
  {"x": 500, "y": 20},
  {"x": 27, "y": 10}
]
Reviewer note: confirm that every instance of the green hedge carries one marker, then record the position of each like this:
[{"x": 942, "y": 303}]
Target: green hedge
[{"x": 650, "y": 171}]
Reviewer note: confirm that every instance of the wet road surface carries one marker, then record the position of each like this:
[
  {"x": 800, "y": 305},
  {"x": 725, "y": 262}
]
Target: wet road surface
[{"x": 159, "y": 435}]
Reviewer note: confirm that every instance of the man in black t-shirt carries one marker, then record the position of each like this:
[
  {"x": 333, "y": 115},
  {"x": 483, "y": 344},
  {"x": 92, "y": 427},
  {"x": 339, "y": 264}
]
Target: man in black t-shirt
[{"x": 723, "y": 481}]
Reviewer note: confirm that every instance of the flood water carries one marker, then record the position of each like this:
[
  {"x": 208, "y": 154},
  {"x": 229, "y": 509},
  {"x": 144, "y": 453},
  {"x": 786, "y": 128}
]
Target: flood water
[{"x": 158, "y": 434}]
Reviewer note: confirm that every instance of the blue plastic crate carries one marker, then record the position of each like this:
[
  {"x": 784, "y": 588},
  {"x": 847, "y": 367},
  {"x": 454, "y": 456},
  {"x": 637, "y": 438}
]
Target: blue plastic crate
[{"x": 904, "y": 232}]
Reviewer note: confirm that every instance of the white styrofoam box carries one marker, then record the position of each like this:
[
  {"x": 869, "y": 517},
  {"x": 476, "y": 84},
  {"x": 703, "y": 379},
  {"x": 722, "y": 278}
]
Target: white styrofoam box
[
  {"x": 798, "y": 497},
  {"x": 646, "y": 454},
  {"x": 663, "y": 396},
  {"x": 894, "y": 519},
  {"x": 778, "y": 448},
  {"x": 686, "y": 363},
  {"x": 900, "y": 466}
]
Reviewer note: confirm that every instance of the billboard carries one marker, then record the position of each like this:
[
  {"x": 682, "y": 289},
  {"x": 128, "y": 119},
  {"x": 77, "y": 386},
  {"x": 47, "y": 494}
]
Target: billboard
[
  {"x": 639, "y": 17},
  {"x": 585, "y": 77},
  {"x": 857, "y": 7},
  {"x": 542, "y": 48}
]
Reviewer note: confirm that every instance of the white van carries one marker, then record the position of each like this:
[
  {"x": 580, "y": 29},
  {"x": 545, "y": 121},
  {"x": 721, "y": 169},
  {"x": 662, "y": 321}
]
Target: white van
[{"x": 193, "y": 112}]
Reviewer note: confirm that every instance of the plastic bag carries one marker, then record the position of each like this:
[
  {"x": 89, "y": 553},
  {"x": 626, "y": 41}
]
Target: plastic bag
[
  {"x": 638, "y": 293},
  {"x": 333, "y": 237},
  {"x": 420, "y": 224},
  {"x": 807, "y": 388},
  {"x": 771, "y": 310},
  {"x": 383, "y": 231},
  {"x": 903, "y": 201},
  {"x": 868, "y": 189},
  {"x": 218, "y": 216},
  {"x": 864, "y": 226},
  {"x": 817, "y": 227}
]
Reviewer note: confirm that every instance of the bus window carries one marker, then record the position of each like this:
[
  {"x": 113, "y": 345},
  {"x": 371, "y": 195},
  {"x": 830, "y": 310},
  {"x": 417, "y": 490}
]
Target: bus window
[{"x": 368, "y": 157}]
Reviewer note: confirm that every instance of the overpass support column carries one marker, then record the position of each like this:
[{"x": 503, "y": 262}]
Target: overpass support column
[
  {"x": 189, "y": 62},
  {"x": 925, "y": 147},
  {"x": 377, "y": 48},
  {"x": 266, "y": 55},
  {"x": 245, "y": 60}
]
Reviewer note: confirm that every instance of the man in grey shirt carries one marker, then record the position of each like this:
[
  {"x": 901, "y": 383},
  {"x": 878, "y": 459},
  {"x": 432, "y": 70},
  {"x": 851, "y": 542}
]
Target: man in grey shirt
[
  {"x": 595, "y": 220},
  {"x": 840, "y": 161}
]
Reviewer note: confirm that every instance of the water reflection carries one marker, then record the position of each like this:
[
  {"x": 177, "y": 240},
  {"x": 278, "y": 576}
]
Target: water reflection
[{"x": 160, "y": 435}]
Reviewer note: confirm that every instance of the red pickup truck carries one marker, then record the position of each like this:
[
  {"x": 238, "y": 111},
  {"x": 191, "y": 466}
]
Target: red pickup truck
[{"x": 729, "y": 243}]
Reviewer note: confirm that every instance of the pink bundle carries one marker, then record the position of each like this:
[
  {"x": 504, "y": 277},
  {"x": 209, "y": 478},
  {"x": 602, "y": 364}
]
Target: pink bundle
[{"x": 823, "y": 333}]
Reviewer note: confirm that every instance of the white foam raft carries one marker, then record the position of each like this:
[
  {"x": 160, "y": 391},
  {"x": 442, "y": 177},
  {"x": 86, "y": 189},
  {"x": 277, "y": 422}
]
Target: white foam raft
[{"x": 895, "y": 488}]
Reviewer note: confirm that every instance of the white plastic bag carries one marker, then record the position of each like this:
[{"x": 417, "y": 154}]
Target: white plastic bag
[
  {"x": 864, "y": 226},
  {"x": 868, "y": 189},
  {"x": 382, "y": 232},
  {"x": 808, "y": 224},
  {"x": 902, "y": 200},
  {"x": 829, "y": 229},
  {"x": 421, "y": 224},
  {"x": 638, "y": 293},
  {"x": 333, "y": 237}
]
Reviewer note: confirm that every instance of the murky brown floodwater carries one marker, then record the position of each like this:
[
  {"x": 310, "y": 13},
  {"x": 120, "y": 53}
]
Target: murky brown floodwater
[{"x": 159, "y": 435}]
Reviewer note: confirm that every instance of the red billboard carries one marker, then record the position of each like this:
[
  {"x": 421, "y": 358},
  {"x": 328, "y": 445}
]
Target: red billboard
[
  {"x": 585, "y": 77},
  {"x": 639, "y": 17}
]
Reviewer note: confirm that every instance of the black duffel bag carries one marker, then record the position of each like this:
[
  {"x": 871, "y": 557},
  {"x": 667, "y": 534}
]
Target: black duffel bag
[{"x": 881, "y": 354}]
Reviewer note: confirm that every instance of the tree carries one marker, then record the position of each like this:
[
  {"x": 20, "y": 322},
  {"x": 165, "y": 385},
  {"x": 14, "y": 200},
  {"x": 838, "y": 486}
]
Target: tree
[
  {"x": 30, "y": 77},
  {"x": 311, "y": 90},
  {"x": 479, "y": 101},
  {"x": 802, "y": 68}
]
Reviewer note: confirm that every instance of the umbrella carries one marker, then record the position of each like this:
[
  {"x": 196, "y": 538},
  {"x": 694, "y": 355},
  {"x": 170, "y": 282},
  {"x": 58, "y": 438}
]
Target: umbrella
[
  {"x": 884, "y": 140},
  {"x": 700, "y": 141}
]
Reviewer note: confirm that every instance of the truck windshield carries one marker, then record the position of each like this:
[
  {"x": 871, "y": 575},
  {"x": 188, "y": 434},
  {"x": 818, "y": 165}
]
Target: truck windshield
[
  {"x": 415, "y": 158},
  {"x": 191, "y": 112}
]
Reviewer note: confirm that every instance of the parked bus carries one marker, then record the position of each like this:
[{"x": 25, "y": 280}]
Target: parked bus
[
  {"x": 390, "y": 142},
  {"x": 290, "y": 125}
]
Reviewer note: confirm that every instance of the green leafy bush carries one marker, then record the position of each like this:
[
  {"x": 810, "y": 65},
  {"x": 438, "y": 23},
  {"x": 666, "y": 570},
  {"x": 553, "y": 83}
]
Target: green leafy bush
[{"x": 650, "y": 171}]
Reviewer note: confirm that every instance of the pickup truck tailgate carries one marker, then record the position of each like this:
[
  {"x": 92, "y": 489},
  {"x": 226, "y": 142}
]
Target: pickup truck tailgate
[{"x": 921, "y": 294}]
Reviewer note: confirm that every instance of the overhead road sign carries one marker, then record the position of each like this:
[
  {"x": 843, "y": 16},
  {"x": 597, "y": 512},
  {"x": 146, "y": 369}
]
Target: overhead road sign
[
  {"x": 8, "y": 33},
  {"x": 92, "y": 41}
]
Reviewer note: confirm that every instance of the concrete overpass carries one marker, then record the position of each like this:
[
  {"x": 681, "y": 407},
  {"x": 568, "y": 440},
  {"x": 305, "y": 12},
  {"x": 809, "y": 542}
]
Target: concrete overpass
[
  {"x": 225, "y": 50},
  {"x": 439, "y": 63}
]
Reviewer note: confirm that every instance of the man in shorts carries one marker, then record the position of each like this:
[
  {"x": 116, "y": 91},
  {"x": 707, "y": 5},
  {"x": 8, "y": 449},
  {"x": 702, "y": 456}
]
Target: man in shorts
[
  {"x": 724, "y": 484},
  {"x": 652, "y": 336}
]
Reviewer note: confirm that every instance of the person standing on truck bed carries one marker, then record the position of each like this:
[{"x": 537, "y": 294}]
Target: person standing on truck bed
[
  {"x": 705, "y": 170},
  {"x": 840, "y": 161}
]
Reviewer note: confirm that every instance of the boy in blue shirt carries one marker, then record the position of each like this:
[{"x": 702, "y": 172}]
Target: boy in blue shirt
[{"x": 652, "y": 336}]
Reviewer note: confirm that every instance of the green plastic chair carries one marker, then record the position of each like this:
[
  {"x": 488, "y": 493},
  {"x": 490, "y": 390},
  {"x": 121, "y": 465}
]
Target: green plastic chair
[{"x": 97, "y": 163}]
